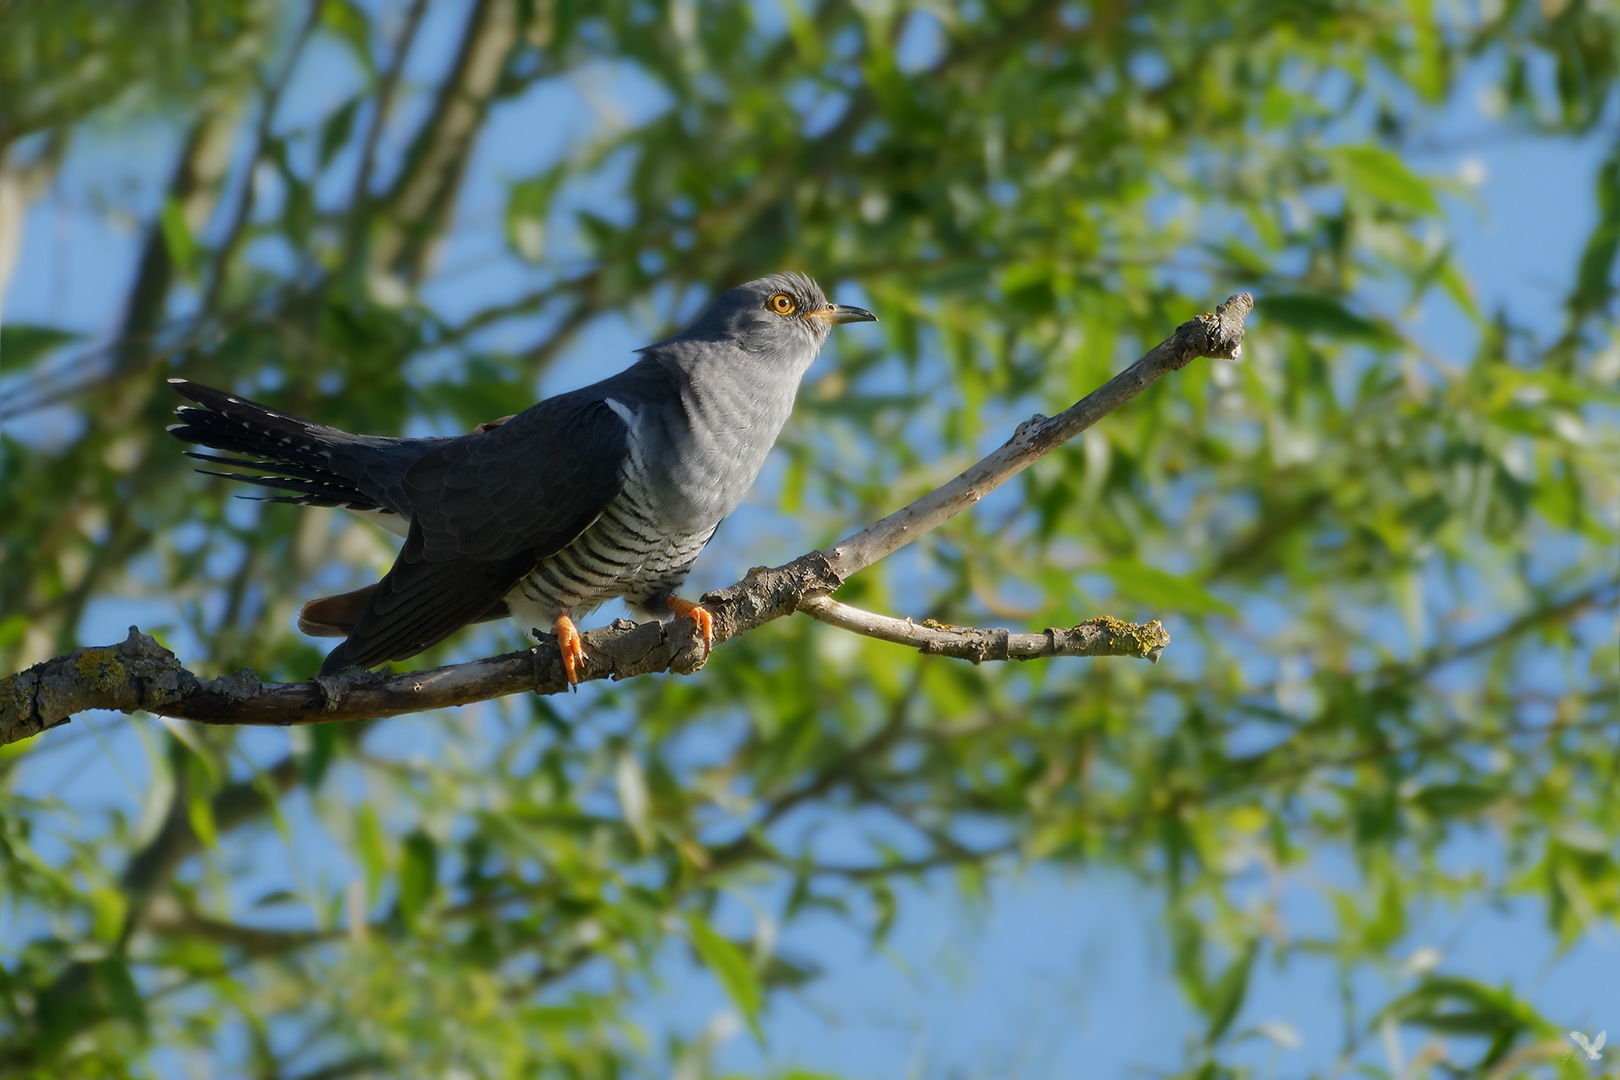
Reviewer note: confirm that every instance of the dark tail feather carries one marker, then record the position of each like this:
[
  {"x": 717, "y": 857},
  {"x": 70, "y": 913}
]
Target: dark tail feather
[
  {"x": 334, "y": 616},
  {"x": 295, "y": 452}
]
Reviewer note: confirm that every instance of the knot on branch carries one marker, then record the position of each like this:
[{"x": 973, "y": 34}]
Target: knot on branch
[
  {"x": 625, "y": 649},
  {"x": 1217, "y": 334},
  {"x": 768, "y": 593},
  {"x": 1025, "y": 434}
]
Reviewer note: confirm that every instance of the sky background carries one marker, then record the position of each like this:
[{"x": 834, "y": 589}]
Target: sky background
[{"x": 1055, "y": 973}]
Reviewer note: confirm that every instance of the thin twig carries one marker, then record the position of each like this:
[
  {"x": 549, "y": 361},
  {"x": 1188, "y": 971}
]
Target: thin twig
[{"x": 1103, "y": 636}]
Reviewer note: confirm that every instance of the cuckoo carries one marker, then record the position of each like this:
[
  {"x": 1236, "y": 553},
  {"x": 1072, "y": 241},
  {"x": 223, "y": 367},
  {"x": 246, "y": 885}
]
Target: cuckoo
[{"x": 608, "y": 491}]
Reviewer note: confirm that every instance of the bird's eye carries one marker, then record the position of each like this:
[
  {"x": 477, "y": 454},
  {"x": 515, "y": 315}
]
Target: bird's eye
[{"x": 783, "y": 304}]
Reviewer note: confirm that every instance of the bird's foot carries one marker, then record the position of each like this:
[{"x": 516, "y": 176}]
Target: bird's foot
[
  {"x": 573, "y": 649},
  {"x": 685, "y": 609}
]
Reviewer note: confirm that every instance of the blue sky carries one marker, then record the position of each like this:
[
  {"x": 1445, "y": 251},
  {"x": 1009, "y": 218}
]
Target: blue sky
[{"x": 1058, "y": 973}]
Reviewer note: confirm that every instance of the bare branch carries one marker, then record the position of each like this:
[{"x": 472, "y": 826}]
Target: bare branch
[
  {"x": 139, "y": 674},
  {"x": 1103, "y": 636},
  {"x": 1215, "y": 334}
]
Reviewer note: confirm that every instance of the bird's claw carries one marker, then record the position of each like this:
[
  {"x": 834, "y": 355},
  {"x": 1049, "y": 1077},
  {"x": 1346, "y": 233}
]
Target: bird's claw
[
  {"x": 573, "y": 649},
  {"x": 685, "y": 609}
]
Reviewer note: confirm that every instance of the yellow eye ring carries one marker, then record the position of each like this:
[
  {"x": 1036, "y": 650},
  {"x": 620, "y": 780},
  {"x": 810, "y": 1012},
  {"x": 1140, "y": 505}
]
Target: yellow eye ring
[{"x": 782, "y": 304}]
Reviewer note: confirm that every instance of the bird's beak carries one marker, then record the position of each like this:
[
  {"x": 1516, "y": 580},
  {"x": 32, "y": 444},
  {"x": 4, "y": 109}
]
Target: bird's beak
[{"x": 843, "y": 313}]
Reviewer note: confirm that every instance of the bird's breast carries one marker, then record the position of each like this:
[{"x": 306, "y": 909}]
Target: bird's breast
[{"x": 697, "y": 466}]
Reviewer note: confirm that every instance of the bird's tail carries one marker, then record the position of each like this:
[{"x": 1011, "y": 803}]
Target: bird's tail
[
  {"x": 310, "y": 462},
  {"x": 336, "y": 616}
]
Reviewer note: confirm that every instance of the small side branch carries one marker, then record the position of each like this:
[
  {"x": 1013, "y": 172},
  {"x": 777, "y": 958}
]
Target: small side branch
[{"x": 1104, "y": 636}]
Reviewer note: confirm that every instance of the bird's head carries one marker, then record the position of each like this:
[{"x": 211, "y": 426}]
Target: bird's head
[{"x": 781, "y": 321}]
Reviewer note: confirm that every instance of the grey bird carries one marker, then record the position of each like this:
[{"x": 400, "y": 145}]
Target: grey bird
[{"x": 608, "y": 491}]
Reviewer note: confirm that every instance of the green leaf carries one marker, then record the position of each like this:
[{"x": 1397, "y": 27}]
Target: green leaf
[
  {"x": 1456, "y": 800},
  {"x": 123, "y": 996},
  {"x": 562, "y": 1019},
  {"x": 1324, "y": 315},
  {"x": 350, "y": 24},
  {"x": 807, "y": 38},
  {"x": 177, "y": 236},
  {"x": 634, "y": 799},
  {"x": 1462, "y": 1006},
  {"x": 603, "y": 235},
  {"x": 202, "y": 779},
  {"x": 1028, "y": 288},
  {"x": 729, "y": 965},
  {"x": 335, "y": 131},
  {"x": 372, "y": 848},
  {"x": 1595, "y": 278},
  {"x": 418, "y": 874},
  {"x": 1375, "y": 172},
  {"x": 1226, "y": 996},
  {"x": 1160, "y": 589},
  {"x": 160, "y": 786},
  {"x": 1585, "y": 837},
  {"x": 108, "y": 907},
  {"x": 313, "y": 763},
  {"x": 200, "y": 809},
  {"x": 527, "y": 203},
  {"x": 887, "y": 908},
  {"x": 1456, "y": 286},
  {"x": 21, "y": 344}
]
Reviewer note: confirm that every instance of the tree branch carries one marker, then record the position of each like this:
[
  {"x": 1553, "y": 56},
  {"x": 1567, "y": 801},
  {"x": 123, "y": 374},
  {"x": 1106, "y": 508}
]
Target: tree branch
[
  {"x": 139, "y": 674},
  {"x": 1214, "y": 334},
  {"x": 1103, "y": 636}
]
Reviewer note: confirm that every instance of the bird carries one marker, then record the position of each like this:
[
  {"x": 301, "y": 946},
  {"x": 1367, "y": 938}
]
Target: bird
[
  {"x": 603, "y": 492},
  {"x": 1593, "y": 1049}
]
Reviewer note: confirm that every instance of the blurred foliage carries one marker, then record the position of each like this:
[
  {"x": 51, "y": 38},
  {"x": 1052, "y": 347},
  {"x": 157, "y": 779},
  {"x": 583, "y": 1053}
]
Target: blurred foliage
[{"x": 1389, "y": 571}]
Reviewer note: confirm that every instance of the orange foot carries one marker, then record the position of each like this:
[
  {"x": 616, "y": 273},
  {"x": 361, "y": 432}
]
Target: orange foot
[
  {"x": 573, "y": 649},
  {"x": 685, "y": 609}
]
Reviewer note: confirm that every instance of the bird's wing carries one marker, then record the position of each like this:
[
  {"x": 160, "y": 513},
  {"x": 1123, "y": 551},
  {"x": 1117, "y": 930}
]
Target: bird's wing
[
  {"x": 485, "y": 510},
  {"x": 530, "y": 485},
  {"x": 1603, "y": 1037}
]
